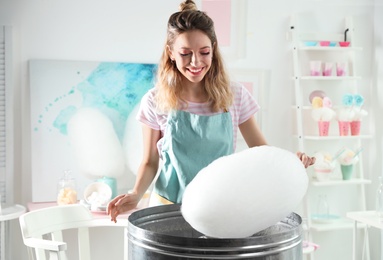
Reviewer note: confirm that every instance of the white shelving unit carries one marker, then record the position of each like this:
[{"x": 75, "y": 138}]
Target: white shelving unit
[{"x": 307, "y": 136}]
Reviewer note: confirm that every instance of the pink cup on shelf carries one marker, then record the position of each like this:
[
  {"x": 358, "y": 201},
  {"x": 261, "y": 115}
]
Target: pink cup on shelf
[
  {"x": 315, "y": 68},
  {"x": 344, "y": 128},
  {"x": 355, "y": 127},
  {"x": 341, "y": 68},
  {"x": 327, "y": 69},
  {"x": 323, "y": 127}
]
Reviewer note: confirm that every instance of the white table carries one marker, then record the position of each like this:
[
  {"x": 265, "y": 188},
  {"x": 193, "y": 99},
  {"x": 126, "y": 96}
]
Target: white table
[
  {"x": 369, "y": 218},
  {"x": 100, "y": 219},
  {"x": 6, "y": 214}
]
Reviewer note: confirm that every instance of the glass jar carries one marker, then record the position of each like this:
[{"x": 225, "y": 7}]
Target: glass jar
[
  {"x": 322, "y": 207},
  {"x": 379, "y": 198},
  {"x": 67, "y": 193}
]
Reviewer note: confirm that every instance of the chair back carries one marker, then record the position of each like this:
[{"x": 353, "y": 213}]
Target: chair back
[{"x": 42, "y": 231}]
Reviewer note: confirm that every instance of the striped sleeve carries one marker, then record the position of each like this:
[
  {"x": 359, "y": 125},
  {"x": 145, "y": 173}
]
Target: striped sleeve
[
  {"x": 245, "y": 104},
  {"x": 147, "y": 111}
]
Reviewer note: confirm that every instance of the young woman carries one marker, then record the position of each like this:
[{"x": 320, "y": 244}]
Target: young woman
[{"x": 192, "y": 115}]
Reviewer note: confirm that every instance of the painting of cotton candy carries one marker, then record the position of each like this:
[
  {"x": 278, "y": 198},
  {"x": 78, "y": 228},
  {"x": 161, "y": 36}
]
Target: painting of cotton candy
[
  {"x": 133, "y": 142},
  {"x": 238, "y": 195},
  {"x": 95, "y": 144}
]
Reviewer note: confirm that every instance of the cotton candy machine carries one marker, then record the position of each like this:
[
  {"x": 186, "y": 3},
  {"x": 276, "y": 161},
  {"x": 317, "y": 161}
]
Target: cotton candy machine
[{"x": 162, "y": 233}]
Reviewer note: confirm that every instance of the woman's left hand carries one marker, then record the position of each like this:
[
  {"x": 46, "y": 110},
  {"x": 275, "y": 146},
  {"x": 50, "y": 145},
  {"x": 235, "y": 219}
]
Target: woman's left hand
[{"x": 306, "y": 160}]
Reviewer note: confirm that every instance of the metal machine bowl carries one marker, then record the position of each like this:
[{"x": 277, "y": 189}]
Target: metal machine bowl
[{"x": 162, "y": 233}]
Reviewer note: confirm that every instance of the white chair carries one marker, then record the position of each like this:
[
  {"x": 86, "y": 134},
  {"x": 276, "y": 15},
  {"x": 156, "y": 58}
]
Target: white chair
[{"x": 42, "y": 231}]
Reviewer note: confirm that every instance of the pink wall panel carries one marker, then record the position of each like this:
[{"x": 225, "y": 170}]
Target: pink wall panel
[{"x": 220, "y": 12}]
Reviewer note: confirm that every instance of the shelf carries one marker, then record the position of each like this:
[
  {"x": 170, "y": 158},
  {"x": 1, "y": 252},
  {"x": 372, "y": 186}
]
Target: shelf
[
  {"x": 341, "y": 224},
  {"x": 307, "y": 134},
  {"x": 329, "y": 78},
  {"x": 311, "y": 108},
  {"x": 334, "y": 137},
  {"x": 326, "y": 48},
  {"x": 353, "y": 181}
]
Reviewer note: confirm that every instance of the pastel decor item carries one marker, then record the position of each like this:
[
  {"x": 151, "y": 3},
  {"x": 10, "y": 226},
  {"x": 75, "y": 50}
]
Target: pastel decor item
[
  {"x": 344, "y": 44},
  {"x": 327, "y": 69},
  {"x": 316, "y": 93},
  {"x": 317, "y": 102},
  {"x": 347, "y": 160},
  {"x": 310, "y": 43},
  {"x": 358, "y": 100},
  {"x": 323, "y": 166},
  {"x": 344, "y": 128},
  {"x": 67, "y": 190},
  {"x": 111, "y": 182},
  {"x": 326, "y": 101},
  {"x": 341, "y": 68},
  {"x": 332, "y": 44},
  {"x": 355, "y": 127},
  {"x": 97, "y": 194},
  {"x": 323, "y": 127},
  {"x": 347, "y": 100},
  {"x": 243, "y": 193},
  {"x": 324, "y": 43},
  {"x": 347, "y": 171},
  {"x": 322, "y": 174},
  {"x": 358, "y": 114},
  {"x": 315, "y": 68}
]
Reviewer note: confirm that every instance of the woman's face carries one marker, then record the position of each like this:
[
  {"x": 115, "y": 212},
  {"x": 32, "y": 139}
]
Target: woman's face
[{"x": 192, "y": 51}]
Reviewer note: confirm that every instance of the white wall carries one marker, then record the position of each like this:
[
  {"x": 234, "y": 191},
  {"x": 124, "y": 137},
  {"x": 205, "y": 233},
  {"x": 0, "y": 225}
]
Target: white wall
[
  {"x": 377, "y": 83},
  {"x": 134, "y": 31}
]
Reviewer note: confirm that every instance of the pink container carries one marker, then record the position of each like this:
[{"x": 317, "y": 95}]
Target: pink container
[
  {"x": 341, "y": 68},
  {"x": 344, "y": 44},
  {"x": 323, "y": 127},
  {"x": 344, "y": 128},
  {"x": 315, "y": 68},
  {"x": 324, "y": 43},
  {"x": 327, "y": 69},
  {"x": 355, "y": 127}
]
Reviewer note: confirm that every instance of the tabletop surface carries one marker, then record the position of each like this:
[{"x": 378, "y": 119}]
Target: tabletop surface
[
  {"x": 11, "y": 212},
  {"x": 370, "y": 218},
  {"x": 101, "y": 215}
]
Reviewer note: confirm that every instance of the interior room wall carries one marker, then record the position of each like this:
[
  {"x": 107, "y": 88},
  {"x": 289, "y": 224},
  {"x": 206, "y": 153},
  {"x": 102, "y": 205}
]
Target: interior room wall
[
  {"x": 134, "y": 31},
  {"x": 377, "y": 83}
]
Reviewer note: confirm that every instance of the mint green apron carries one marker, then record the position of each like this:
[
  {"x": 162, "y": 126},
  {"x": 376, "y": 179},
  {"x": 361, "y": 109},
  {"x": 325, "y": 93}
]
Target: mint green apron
[{"x": 190, "y": 143}]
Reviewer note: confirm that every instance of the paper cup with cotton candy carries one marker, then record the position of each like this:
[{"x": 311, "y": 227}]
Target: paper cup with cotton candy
[
  {"x": 347, "y": 160},
  {"x": 345, "y": 114},
  {"x": 323, "y": 166},
  {"x": 241, "y": 194},
  {"x": 359, "y": 113},
  {"x": 322, "y": 113}
]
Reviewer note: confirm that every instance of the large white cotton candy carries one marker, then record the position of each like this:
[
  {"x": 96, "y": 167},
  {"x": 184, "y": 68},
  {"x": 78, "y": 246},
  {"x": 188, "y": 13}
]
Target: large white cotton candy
[
  {"x": 95, "y": 144},
  {"x": 238, "y": 195}
]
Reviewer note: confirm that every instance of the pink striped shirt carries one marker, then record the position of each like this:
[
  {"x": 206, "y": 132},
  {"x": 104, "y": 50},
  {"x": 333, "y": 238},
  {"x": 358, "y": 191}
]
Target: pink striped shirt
[{"x": 243, "y": 107}]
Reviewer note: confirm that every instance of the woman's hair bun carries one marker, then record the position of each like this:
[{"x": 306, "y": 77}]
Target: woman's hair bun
[{"x": 188, "y": 5}]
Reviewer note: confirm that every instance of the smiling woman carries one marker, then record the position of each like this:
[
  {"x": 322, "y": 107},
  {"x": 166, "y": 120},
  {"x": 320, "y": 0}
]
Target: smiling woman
[
  {"x": 192, "y": 116},
  {"x": 192, "y": 54}
]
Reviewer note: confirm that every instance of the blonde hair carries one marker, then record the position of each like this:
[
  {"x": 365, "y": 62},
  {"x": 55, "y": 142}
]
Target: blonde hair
[{"x": 169, "y": 79}]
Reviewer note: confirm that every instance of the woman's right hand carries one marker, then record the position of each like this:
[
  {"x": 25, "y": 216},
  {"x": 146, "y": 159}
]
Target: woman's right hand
[{"x": 122, "y": 203}]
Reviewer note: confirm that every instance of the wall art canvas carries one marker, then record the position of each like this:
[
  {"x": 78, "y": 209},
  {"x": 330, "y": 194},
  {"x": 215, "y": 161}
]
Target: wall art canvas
[{"x": 110, "y": 93}]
